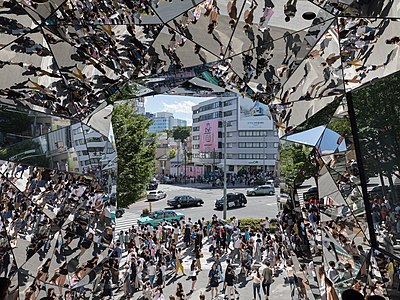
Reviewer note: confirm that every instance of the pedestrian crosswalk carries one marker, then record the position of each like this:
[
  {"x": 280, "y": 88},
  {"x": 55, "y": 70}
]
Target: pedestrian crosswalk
[{"x": 128, "y": 220}]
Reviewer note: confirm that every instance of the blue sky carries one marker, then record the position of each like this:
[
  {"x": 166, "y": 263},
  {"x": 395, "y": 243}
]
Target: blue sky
[{"x": 180, "y": 106}]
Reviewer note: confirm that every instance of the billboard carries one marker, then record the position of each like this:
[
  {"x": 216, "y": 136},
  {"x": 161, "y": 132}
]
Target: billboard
[
  {"x": 253, "y": 115},
  {"x": 209, "y": 135}
]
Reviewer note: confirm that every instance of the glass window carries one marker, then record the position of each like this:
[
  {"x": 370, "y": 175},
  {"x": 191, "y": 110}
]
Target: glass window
[{"x": 228, "y": 113}]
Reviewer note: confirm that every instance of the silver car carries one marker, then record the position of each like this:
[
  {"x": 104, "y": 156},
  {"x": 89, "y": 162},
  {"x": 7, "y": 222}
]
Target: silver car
[
  {"x": 156, "y": 195},
  {"x": 261, "y": 190}
]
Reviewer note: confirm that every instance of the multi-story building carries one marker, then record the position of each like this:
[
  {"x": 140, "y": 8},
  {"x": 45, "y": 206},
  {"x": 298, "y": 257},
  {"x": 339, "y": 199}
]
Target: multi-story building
[
  {"x": 252, "y": 141},
  {"x": 163, "y": 121}
]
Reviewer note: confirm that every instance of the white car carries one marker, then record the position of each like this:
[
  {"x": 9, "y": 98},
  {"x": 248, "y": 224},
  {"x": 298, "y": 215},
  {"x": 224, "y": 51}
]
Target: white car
[{"x": 156, "y": 195}]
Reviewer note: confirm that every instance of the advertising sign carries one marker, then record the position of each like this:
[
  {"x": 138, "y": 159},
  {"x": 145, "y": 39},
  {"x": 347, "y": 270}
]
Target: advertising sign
[
  {"x": 344, "y": 256},
  {"x": 253, "y": 115},
  {"x": 209, "y": 135}
]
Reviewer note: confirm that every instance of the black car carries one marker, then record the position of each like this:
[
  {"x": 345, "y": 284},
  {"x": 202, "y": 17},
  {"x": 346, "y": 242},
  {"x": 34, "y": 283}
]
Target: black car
[
  {"x": 119, "y": 212},
  {"x": 312, "y": 192},
  {"x": 185, "y": 200},
  {"x": 376, "y": 191},
  {"x": 153, "y": 185},
  {"x": 233, "y": 200}
]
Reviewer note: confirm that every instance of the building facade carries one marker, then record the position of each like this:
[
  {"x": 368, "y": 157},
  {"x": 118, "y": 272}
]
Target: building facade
[
  {"x": 164, "y": 121},
  {"x": 252, "y": 141}
]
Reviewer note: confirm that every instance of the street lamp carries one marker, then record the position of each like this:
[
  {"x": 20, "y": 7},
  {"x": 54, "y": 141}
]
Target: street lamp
[
  {"x": 184, "y": 160},
  {"x": 225, "y": 199},
  {"x": 264, "y": 146}
]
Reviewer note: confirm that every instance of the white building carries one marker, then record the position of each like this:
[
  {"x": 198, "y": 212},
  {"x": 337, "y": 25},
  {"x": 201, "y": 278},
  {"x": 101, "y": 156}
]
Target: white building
[
  {"x": 165, "y": 120},
  {"x": 252, "y": 141}
]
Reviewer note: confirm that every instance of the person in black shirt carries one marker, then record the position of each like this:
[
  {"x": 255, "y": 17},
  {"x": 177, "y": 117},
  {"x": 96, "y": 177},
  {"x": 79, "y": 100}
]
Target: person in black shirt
[{"x": 230, "y": 281}]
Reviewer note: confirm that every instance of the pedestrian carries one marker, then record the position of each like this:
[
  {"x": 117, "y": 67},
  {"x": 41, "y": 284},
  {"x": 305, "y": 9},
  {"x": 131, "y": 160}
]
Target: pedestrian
[
  {"x": 179, "y": 266},
  {"x": 230, "y": 281},
  {"x": 180, "y": 293},
  {"x": 256, "y": 279},
  {"x": 127, "y": 283},
  {"x": 267, "y": 277},
  {"x": 151, "y": 271},
  {"x": 193, "y": 275},
  {"x": 213, "y": 280}
]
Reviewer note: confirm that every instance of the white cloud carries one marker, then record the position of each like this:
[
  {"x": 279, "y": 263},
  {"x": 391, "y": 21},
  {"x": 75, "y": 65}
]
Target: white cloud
[{"x": 180, "y": 107}]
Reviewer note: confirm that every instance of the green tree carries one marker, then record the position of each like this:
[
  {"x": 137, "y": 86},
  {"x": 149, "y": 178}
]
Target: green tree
[
  {"x": 172, "y": 153},
  {"x": 169, "y": 133},
  {"x": 181, "y": 132},
  {"x": 136, "y": 150},
  {"x": 377, "y": 108},
  {"x": 297, "y": 163}
]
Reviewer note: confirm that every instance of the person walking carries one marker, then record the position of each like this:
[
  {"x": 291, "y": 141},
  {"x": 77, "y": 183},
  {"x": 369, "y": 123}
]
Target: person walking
[
  {"x": 193, "y": 275},
  {"x": 179, "y": 266},
  {"x": 267, "y": 280},
  {"x": 256, "y": 278},
  {"x": 213, "y": 277},
  {"x": 292, "y": 282},
  {"x": 230, "y": 281},
  {"x": 180, "y": 293},
  {"x": 127, "y": 288}
]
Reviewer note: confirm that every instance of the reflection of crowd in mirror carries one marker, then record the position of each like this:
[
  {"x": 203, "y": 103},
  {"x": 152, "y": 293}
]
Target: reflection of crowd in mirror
[
  {"x": 63, "y": 222},
  {"x": 95, "y": 45},
  {"x": 359, "y": 38}
]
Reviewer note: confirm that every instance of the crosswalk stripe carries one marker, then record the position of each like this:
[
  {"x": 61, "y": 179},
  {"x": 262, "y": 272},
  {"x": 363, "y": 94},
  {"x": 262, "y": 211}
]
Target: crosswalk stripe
[{"x": 126, "y": 221}]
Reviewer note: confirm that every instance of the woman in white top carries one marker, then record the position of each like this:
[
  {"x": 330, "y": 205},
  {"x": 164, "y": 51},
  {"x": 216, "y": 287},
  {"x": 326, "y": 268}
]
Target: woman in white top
[{"x": 256, "y": 278}]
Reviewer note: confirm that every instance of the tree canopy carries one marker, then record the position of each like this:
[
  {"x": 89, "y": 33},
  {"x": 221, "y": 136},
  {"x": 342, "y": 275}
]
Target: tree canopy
[
  {"x": 136, "y": 150},
  {"x": 181, "y": 132},
  {"x": 377, "y": 108},
  {"x": 297, "y": 164}
]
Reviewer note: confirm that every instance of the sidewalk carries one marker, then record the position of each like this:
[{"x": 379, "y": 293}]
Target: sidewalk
[
  {"x": 207, "y": 186},
  {"x": 244, "y": 286}
]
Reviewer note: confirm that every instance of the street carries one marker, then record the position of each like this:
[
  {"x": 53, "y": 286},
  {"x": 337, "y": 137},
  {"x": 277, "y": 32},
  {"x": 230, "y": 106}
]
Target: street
[{"x": 257, "y": 206}]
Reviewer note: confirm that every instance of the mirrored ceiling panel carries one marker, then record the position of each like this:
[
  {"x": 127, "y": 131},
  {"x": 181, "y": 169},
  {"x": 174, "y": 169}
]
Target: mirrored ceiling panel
[
  {"x": 319, "y": 74},
  {"x": 171, "y": 9},
  {"x": 166, "y": 81},
  {"x": 369, "y": 48},
  {"x": 378, "y": 137},
  {"x": 172, "y": 51},
  {"x": 18, "y": 124},
  {"x": 289, "y": 116}
]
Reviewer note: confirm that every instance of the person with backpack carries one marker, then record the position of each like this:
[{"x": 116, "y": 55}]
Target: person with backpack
[{"x": 267, "y": 280}]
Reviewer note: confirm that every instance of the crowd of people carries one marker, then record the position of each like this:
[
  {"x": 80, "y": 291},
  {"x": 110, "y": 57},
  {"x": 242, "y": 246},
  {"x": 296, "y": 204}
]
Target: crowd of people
[
  {"x": 243, "y": 177},
  {"x": 56, "y": 230}
]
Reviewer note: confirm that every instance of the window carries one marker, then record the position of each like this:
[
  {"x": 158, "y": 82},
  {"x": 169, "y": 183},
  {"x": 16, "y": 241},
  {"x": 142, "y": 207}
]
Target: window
[
  {"x": 196, "y": 137},
  {"x": 228, "y": 113},
  {"x": 196, "y": 128},
  {"x": 229, "y": 134},
  {"x": 209, "y": 106},
  {"x": 228, "y": 102},
  {"x": 196, "y": 146},
  {"x": 276, "y": 145}
]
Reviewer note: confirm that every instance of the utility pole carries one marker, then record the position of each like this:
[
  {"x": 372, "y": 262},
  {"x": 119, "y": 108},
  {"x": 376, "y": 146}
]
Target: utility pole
[
  {"x": 225, "y": 199},
  {"x": 264, "y": 146},
  {"x": 213, "y": 167},
  {"x": 184, "y": 153}
]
